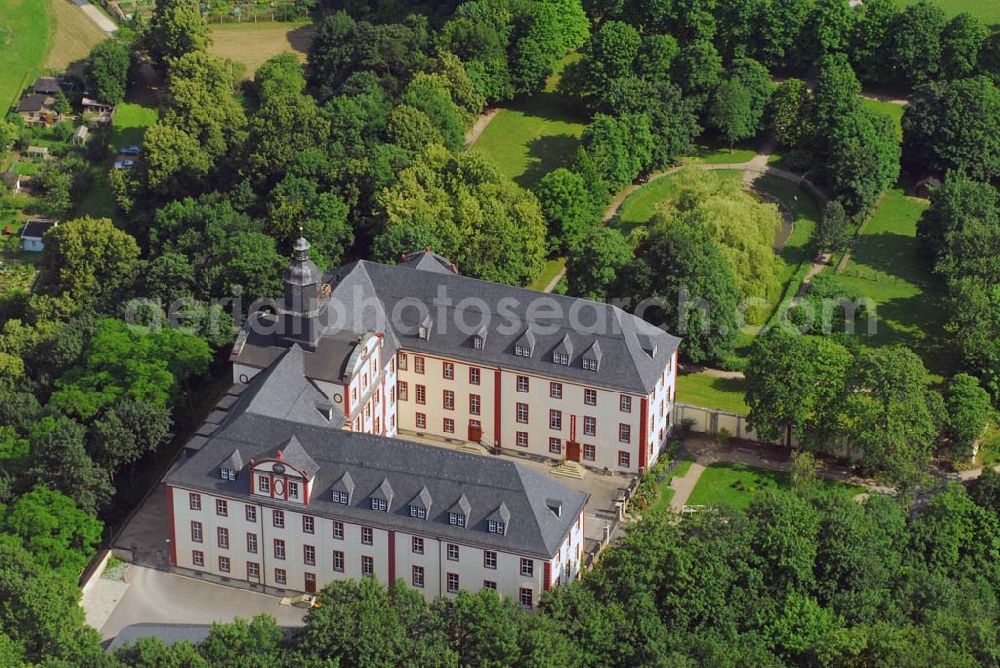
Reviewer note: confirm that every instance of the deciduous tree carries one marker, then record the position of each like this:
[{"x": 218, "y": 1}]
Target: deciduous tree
[
  {"x": 914, "y": 51},
  {"x": 961, "y": 41},
  {"x": 175, "y": 30},
  {"x": 54, "y": 530},
  {"x": 955, "y": 125},
  {"x": 968, "y": 410},
  {"x": 597, "y": 264}
]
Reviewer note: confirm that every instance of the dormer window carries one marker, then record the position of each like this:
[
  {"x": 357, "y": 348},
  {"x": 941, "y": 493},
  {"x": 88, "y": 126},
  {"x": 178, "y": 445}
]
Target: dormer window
[
  {"x": 459, "y": 511},
  {"x": 381, "y": 498},
  {"x": 524, "y": 344},
  {"x": 424, "y": 328},
  {"x": 498, "y": 520},
  {"x": 560, "y": 358},
  {"x": 477, "y": 342},
  {"x": 230, "y": 468},
  {"x": 340, "y": 497},
  {"x": 420, "y": 504},
  {"x": 554, "y": 506},
  {"x": 591, "y": 359}
]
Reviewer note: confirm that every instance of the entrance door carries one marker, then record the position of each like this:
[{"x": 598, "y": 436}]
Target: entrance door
[
  {"x": 572, "y": 451},
  {"x": 310, "y": 583},
  {"x": 475, "y": 431}
]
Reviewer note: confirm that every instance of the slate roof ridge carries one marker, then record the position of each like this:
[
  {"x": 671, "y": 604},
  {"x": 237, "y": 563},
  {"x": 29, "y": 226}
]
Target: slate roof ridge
[{"x": 409, "y": 466}]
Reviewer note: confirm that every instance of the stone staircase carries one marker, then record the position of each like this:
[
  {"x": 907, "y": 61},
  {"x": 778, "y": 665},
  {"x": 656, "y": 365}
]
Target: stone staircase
[
  {"x": 570, "y": 469},
  {"x": 474, "y": 448}
]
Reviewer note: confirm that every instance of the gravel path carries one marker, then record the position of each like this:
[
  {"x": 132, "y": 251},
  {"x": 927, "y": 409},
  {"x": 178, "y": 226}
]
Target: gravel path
[
  {"x": 472, "y": 134},
  {"x": 102, "y": 21}
]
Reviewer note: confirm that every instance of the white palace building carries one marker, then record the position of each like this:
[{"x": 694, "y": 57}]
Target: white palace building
[{"x": 306, "y": 477}]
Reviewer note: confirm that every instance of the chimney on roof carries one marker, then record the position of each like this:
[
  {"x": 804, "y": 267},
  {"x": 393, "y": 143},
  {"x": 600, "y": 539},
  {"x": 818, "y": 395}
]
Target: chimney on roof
[{"x": 278, "y": 456}]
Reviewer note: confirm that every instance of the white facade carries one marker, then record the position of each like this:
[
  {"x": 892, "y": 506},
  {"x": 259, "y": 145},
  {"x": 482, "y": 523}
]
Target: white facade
[
  {"x": 367, "y": 398},
  {"x": 287, "y": 551},
  {"x": 32, "y": 244},
  {"x": 597, "y": 426}
]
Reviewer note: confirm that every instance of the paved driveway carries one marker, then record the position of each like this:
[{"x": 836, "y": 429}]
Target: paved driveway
[{"x": 166, "y": 598}]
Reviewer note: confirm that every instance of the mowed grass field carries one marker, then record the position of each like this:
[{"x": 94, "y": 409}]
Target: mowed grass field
[
  {"x": 886, "y": 267},
  {"x": 74, "y": 34},
  {"x": 987, "y": 10},
  {"x": 532, "y": 137},
  {"x": 704, "y": 389},
  {"x": 735, "y": 485},
  {"x": 253, "y": 43},
  {"x": 25, "y": 36}
]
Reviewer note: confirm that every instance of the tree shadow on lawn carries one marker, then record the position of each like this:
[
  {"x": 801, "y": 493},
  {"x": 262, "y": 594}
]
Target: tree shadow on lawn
[
  {"x": 552, "y": 107},
  {"x": 895, "y": 255},
  {"x": 916, "y": 322},
  {"x": 301, "y": 38},
  {"x": 546, "y": 154}
]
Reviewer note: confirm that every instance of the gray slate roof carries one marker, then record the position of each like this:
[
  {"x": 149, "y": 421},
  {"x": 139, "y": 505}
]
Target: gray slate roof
[
  {"x": 370, "y": 461},
  {"x": 289, "y": 394},
  {"x": 623, "y": 363},
  {"x": 233, "y": 462},
  {"x": 427, "y": 260}
]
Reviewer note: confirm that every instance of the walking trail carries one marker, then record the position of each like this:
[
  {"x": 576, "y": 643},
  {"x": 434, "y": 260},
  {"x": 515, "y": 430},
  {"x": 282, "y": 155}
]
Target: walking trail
[
  {"x": 95, "y": 15},
  {"x": 484, "y": 119}
]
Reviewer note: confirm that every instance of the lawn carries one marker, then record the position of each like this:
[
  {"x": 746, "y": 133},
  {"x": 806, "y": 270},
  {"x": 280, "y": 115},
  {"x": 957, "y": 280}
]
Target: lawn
[
  {"x": 713, "y": 152},
  {"x": 130, "y": 123},
  {"x": 709, "y": 391},
  {"x": 25, "y": 168},
  {"x": 73, "y": 35},
  {"x": 533, "y": 136},
  {"x": 25, "y": 36},
  {"x": 98, "y": 201},
  {"x": 886, "y": 267},
  {"x": 894, "y": 111},
  {"x": 549, "y": 271},
  {"x": 987, "y": 10},
  {"x": 734, "y": 485},
  {"x": 253, "y": 43}
]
